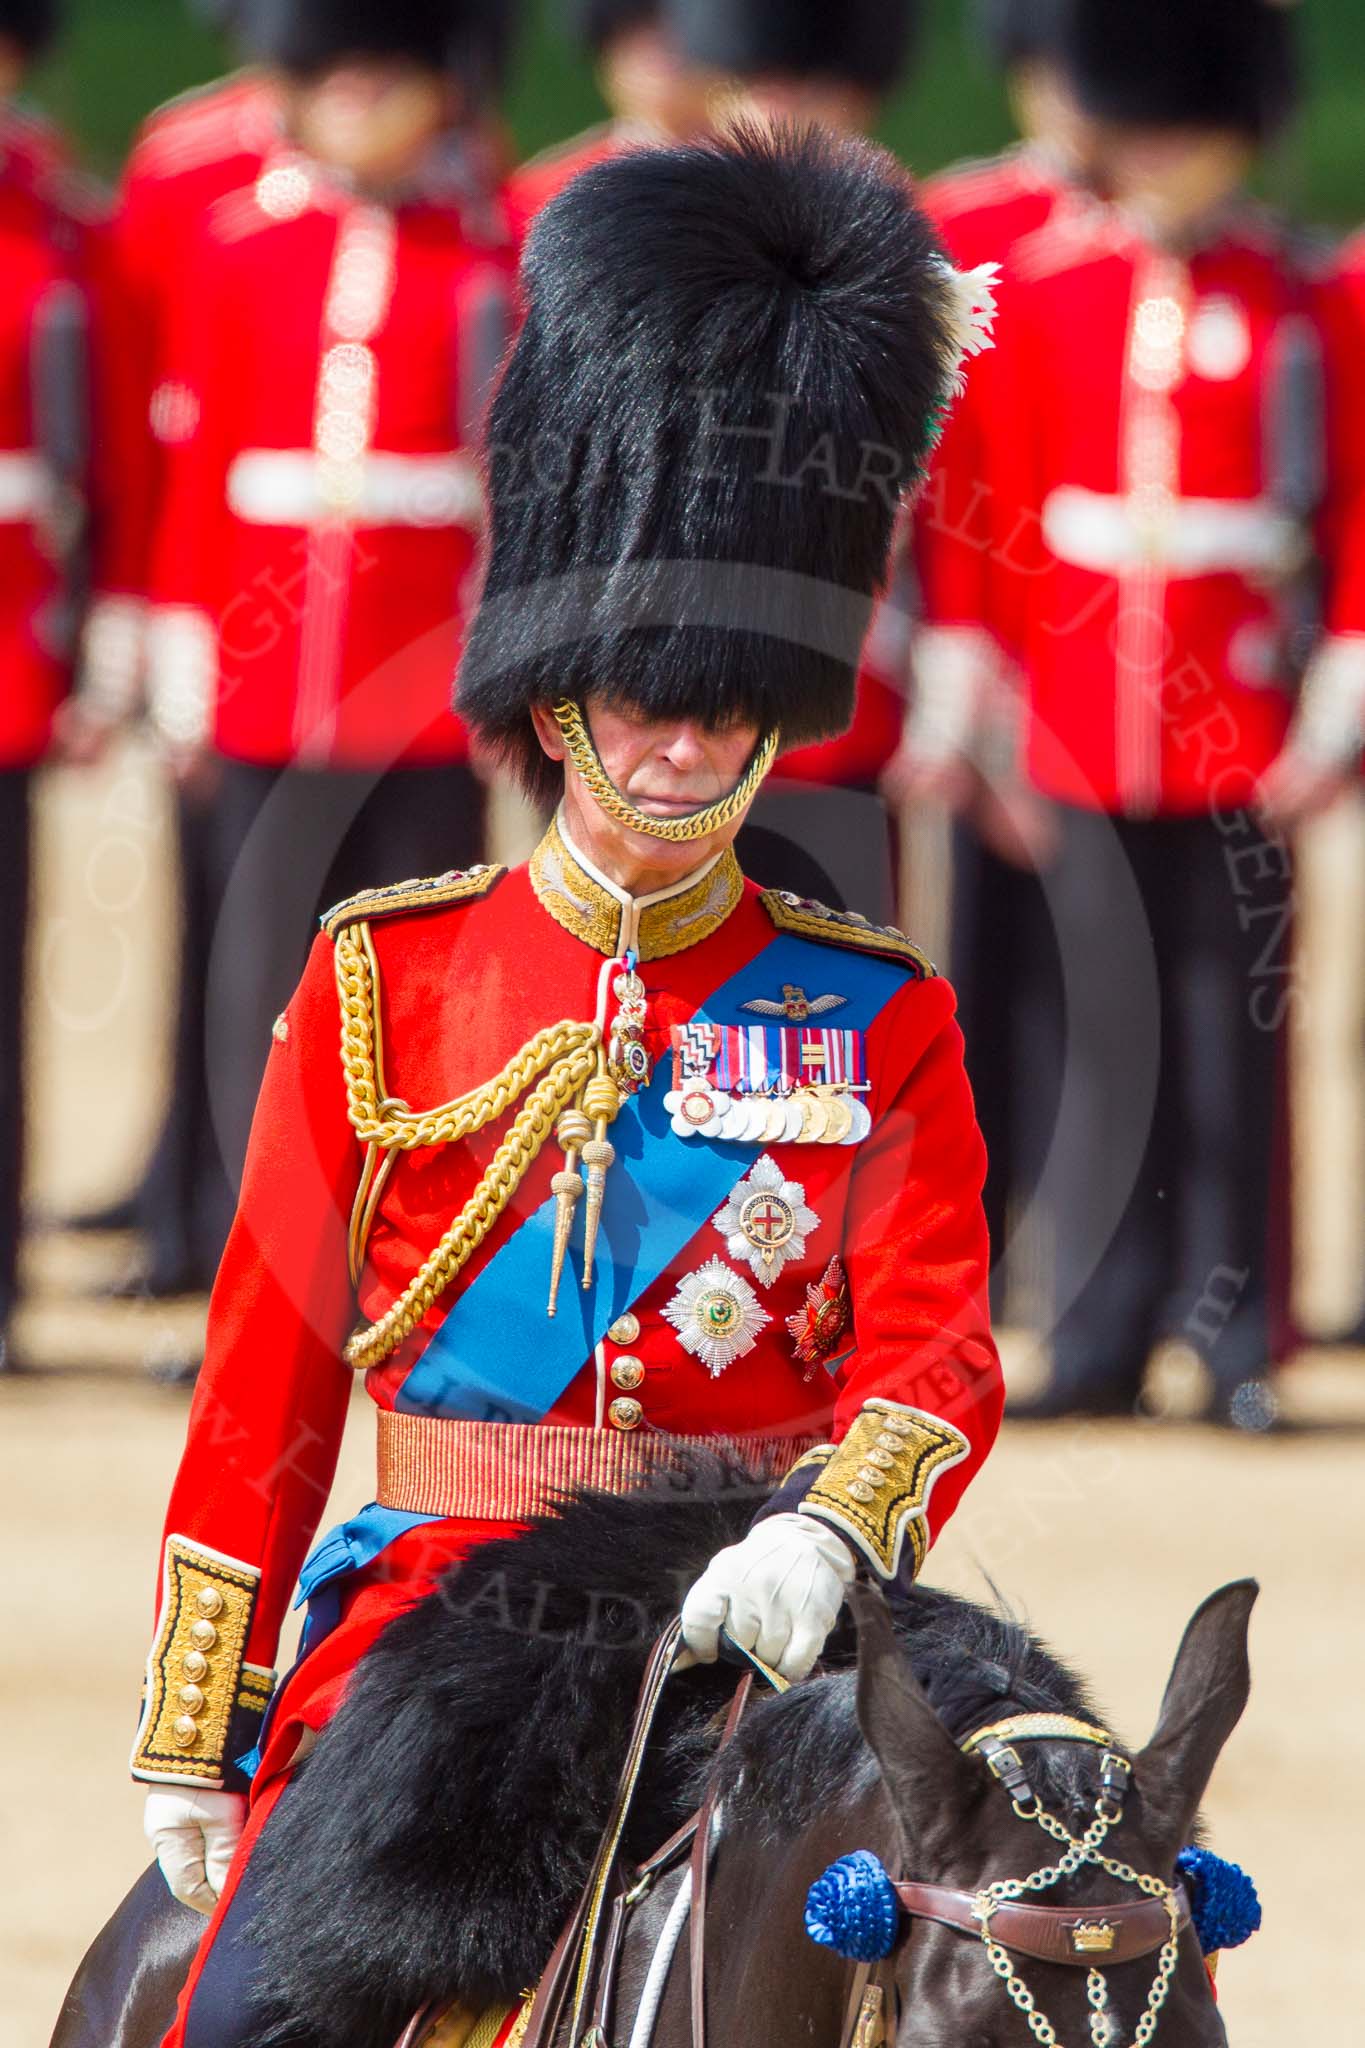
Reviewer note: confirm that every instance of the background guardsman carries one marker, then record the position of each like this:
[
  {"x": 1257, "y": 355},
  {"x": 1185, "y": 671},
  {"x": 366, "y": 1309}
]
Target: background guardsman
[
  {"x": 187, "y": 154},
  {"x": 620, "y": 1150},
  {"x": 962, "y": 737},
  {"x": 655, "y": 95},
  {"x": 337, "y": 324},
  {"x": 44, "y": 462},
  {"x": 1163, "y": 393}
]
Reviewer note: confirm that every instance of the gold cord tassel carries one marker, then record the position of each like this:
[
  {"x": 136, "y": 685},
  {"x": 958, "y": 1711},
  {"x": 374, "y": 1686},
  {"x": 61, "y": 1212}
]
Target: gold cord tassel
[
  {"x": 572, "y": 1131},
  {"x": 601, "y": 1100}
]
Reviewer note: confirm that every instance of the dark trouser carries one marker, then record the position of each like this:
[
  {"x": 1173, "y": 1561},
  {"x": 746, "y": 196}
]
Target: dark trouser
[
  {"x": 182, "y": 1196},
  {"x": 1174, "y": 936},
  {"x": 227, "y": 2007},
  {"x": 1003, "y": 964},
  {"x": 14, "y": 907},
  {"x": 837, "y": 845},
  {"x": 287, "y": 844}
]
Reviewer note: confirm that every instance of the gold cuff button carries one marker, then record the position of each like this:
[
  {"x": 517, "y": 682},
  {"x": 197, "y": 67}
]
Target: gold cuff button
[
  {"x": 184, "y": 1732},
  {"x": 191, "y": 1699},
  {"x": 209, "y": 1601},
  {"x": 625, "y": 1330},
  {"x": 626, "y": 1372},
  {"x": 194, "y": 1665},
  {"x": 626, "y": 1413},
  {"x": 203, "y": 1635},
  {"x": 858, "y": 1491}
]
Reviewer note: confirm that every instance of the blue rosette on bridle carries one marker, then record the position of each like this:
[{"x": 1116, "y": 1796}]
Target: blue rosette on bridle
[
  {"x": 1224, "y": 1906},
  {"x": 852, "y": 1908}
]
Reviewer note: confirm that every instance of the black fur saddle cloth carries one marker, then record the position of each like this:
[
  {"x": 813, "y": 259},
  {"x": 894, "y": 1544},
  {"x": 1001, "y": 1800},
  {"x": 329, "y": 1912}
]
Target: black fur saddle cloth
[{"x": 435, "y": 1841}]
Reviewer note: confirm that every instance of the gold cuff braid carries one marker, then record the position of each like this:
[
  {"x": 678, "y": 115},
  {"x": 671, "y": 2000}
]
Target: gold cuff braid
[
  {"x": 875, "y": 1488},
  {"x": 564, "y": 1055},
  {"x": 573, "y": 728},
  {"x": 198, "y": 1683}
]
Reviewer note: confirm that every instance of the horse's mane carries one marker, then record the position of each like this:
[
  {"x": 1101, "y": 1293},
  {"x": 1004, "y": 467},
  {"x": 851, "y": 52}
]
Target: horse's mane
[
  {"x": 976, "y": 1664},
  {"x": 453, "y": 1805}
]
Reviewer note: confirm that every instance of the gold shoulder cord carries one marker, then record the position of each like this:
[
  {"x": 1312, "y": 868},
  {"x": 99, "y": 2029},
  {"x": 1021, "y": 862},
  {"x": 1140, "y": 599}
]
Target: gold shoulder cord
[{"x": 565, "y": 1056}]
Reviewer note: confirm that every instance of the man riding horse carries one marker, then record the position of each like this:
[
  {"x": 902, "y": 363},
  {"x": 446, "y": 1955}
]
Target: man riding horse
[{"x": 620, "y": 1152}]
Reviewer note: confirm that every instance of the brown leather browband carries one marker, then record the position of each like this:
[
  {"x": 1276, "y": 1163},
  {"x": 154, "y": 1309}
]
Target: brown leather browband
[{"x": 1100, "y": 1935}]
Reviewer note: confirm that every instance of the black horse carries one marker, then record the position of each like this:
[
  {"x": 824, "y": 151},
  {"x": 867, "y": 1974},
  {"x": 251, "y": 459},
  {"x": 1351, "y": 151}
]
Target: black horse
[{"x": 453, "y": 1808}]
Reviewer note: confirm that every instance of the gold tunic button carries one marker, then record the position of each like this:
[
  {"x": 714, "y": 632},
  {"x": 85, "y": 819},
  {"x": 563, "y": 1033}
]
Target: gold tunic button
[
  {"x": 203, "y": 1635},
  {"x": 194, "y": 1665},
  {"x": 209, "y": 1601},
  {"x": 858, "y": 1491},
  {"x": 870, "y": 1476},
  {"x": 184, "y": 1732},
  {"x": 626, "y": 1371},
  {"x": 625, "y": 1330},
  {"x": 625, "y": 1413},
  {"x": 191, "y": 1699}
]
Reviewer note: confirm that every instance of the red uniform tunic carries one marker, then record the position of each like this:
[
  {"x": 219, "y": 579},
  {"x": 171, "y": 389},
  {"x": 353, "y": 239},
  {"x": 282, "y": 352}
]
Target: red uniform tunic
[
  {"x": 319, "y": 530},
  {"x": 982, "y": 210},
  {"x": 44, "y": 445},
  {"x": 188, "y": 153},
  {"x": 1158, "y": 481}
]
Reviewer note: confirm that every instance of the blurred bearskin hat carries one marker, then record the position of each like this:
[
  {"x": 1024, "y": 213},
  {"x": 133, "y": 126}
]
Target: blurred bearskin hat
[
  {"x": 305, "y": 36},
  {"x": 594, "y": 23},
  {"x": 32, "y": 24},
  {"x": 1185, "y": 63},
  {"x": 724, "y": 342},
  {"x": 867, "y": 42},
  {"x": 1014, "y": 31}
]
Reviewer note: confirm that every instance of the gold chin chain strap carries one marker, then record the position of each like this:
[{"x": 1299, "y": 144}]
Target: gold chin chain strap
[
  {"x": 696, "y": 824},
  {"x": 1086, "y": 1848},
  {"x": 566, "y": 1057}
]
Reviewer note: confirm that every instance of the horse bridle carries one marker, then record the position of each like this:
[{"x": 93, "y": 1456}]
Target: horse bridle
[{"x": 998, "y": 1916}]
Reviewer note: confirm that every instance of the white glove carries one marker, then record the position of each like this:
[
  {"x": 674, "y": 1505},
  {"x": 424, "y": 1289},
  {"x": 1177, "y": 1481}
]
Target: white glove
[
  {"x": 777, "y": 1593},
  {"x": 194, "y": 1833}
]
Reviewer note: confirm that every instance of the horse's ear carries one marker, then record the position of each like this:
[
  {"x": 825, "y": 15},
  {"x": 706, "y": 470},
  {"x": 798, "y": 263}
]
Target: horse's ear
[
  {"x": 1205, "y": 1695},
  {"x": 926, "y": 1774}
]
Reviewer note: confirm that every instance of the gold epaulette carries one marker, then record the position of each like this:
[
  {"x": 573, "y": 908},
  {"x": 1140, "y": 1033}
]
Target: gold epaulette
[
  {"x": 812, "y": 920},
  {"x": 430, "y": 892}
]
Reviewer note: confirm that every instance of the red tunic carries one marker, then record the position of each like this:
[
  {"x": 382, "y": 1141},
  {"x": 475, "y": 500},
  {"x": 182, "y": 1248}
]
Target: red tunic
[
  {"x": 982, "y": 210},
  {"x": 463, "y": 987},
  {"x": 318, "y": 539},
  {"x": 1156, "y": 449},
  {"x": 44, "y": 447},
  {"x": 186, "y": 154}
]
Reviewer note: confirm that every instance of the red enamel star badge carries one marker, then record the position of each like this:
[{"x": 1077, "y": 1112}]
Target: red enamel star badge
[{"x": 817, "y": 1328}]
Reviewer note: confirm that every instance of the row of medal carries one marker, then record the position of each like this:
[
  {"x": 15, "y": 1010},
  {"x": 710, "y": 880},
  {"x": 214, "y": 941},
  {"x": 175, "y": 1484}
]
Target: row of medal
[
  {"x": 825, "y": 1114},
  {"x": 755, "y": 1085}
]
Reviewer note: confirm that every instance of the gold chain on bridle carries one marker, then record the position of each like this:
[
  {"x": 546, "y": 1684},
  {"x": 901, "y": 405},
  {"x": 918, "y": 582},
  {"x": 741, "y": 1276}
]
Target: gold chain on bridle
[
  {"x": 573, "y": 728},
  {"x": 564, "y": 1055},
  {"x": 1085, "y": 1849}
]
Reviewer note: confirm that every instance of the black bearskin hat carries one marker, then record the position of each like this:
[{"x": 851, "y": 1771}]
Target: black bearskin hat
[
  {"x": 303, "y": 36},
  {"x": 867, "y": 42},
  {"x": 734, "y": 360},
  {"x": 1185, "y": 63},
  {"x": 1014, "y": 31},
  {"x": 595, "y": 22},
  {"x": 32, "y": 24}
]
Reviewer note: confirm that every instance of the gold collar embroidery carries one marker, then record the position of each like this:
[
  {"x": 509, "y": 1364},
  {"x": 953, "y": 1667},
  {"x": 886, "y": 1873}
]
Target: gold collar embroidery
[{"x": 667, "y": 921}]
